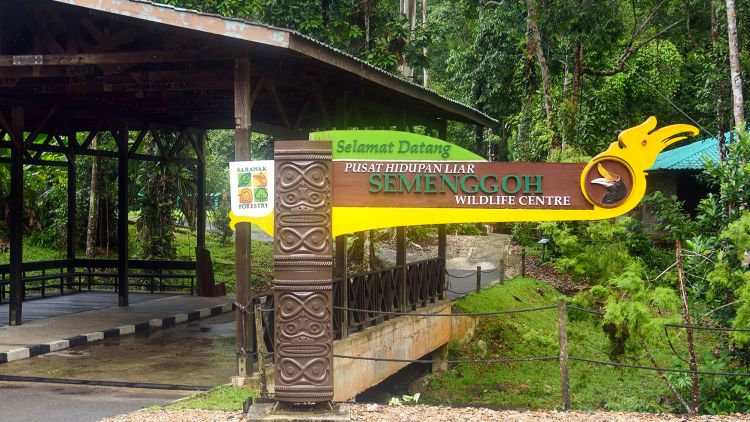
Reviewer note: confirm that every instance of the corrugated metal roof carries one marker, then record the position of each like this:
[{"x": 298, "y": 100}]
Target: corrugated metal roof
[
  {"x": 689, "y": 157},
  {"x": 367, "y": 66}
]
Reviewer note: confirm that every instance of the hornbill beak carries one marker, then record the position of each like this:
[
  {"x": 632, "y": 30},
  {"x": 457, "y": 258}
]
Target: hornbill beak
[{"x": 602, "y": 181}]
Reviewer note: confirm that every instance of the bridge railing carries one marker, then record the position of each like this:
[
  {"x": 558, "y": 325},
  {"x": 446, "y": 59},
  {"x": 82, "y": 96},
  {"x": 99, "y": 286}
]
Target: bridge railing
[{"x": 360, "y": 301}]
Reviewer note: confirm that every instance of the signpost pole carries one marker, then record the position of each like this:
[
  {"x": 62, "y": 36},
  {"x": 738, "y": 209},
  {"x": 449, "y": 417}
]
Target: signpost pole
[
  {"x": 242, "y": 108},
  {"x": 401, "y": 263},
  {"x": 442, "y": 247},
  {"x": 339, "y": 272}
]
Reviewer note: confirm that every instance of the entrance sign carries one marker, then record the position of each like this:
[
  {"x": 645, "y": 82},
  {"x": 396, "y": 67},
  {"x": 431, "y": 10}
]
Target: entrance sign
[
  {"x": 358, "y": 180},
  {"x": 388, "y": 178}
]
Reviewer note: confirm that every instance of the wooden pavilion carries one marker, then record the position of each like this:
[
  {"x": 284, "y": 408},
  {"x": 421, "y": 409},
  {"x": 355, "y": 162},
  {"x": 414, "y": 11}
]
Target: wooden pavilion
[{"x": 72, "y": 69}]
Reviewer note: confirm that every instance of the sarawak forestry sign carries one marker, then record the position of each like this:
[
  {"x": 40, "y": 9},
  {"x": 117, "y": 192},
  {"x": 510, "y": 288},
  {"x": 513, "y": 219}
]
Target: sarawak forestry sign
[{"x": 386, "y": 178}]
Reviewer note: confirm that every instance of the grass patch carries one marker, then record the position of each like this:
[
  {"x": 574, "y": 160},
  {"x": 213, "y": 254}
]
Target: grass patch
[
  {"x": 536, "y": 385},
  {"x": 223, "y": 397},
  {"x": 34, "y": 253},
  {"x": 261, "y": 273}
]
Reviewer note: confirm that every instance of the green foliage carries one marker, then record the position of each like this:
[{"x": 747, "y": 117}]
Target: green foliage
[
  {"x": 219, "y": 219},
  {"x": 730, "y": 178},
  {"x": 467, "y": 229},
  {"x": 536, "y": 384},
  {"x": 594, "y": 251},
  {"x": 670, "y": 216},
  {"x": 156, "y": 222},
  {"x": 420, "y": 234}
]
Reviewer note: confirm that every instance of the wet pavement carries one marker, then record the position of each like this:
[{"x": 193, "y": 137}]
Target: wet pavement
[
  {"x": 199, "y": 353},
  {"x": 33, "y": 402}
]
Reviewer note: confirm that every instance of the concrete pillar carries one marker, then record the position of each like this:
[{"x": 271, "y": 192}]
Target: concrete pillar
[{"x": 440, "y": 354}]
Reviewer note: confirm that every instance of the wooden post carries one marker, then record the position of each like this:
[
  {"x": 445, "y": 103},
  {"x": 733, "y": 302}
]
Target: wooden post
[
  {"x": 523, "y": 261},
  {"x": 261, "y": 350},
  {"x": 339, "y": 271},
  {"x": 242, "y": 112},
  {"x": 479, "y": 278},
  {"x": 562, "y": 331},
  {"x": 201, "y": 200},
  {"x": 503, "y": 263},
  {"x": 71, "y": 227},
  {"x": 401, "y": 262},
  {"x": 443, "y": 130},
  {"x": 16, "y": 216},
  {"x": 442, "y": 254},
  {"x": 303, "y": 270},
  {"x": 123, "y": 254}
]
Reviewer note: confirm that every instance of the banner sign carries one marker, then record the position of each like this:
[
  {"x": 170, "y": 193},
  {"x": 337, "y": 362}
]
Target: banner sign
[
  {"x": 251, "y": 186},
  {"x": 388, "y": 178}
]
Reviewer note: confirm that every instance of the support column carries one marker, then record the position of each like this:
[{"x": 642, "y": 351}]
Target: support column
[
  {"x": 71, "y": 227},
  {"x": 244, "y": 321},
  {"x": 443, "y": 130},
  {"x": 442, "y": 254},
  {"x": 303, "y": 259},
  {"x": 339, "y": 271},
  {"x": 401, "y": 263},
  {"x": 201, "y": 200},
  {"x": 122, "y": 216},
  {"x": 16, "y": 216}
]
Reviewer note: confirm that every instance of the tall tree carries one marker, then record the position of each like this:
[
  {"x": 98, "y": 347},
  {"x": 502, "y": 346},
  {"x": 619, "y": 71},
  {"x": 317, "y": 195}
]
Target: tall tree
[
  {"x": 425, "y": 50},
  {"x": 535, "y": 45},
  {"x": 93, "y": 217},
  {"x": 719, "y": 61},
  {"x": 408, "y": 9},
  {"x": 738, "y": 105}
]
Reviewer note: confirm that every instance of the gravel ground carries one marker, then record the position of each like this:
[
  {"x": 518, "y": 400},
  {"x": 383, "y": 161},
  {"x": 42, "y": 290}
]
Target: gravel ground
[
  {"x": 420, "y": 413},
  {"x": 374, "y": 412},
  {"x": 184, "y": 415}
]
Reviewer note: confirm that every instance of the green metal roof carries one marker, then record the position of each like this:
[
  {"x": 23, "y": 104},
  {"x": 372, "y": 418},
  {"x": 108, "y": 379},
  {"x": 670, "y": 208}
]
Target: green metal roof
[{"x": 689, "y": 157}]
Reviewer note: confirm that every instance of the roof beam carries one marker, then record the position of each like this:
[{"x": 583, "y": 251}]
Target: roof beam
[{"x": 180, "y": 18}]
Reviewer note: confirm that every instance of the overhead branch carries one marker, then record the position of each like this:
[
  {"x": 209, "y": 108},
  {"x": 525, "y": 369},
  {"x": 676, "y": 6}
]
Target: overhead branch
[{"x": 630, "y": 50}]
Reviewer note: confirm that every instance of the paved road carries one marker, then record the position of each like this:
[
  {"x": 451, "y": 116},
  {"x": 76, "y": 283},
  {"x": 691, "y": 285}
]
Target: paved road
[
  {"x": 199, "y": 353},
  {"x": 33, "y": 402}
]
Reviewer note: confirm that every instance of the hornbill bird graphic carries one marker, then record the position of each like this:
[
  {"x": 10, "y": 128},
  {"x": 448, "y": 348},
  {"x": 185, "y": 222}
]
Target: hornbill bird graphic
[{"x": 617, "y": 189}]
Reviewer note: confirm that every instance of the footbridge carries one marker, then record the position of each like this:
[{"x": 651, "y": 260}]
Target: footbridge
[{"x": 383, "y": 320}]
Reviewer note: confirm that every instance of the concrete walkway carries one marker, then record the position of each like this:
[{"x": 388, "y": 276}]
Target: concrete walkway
[
  {"x": 51, "y": 306},
  {"x": 489, "y": 252},
  {"x": 58, "y": 332}
]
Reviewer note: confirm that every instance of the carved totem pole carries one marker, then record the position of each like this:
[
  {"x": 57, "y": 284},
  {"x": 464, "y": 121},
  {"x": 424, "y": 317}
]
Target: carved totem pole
[{"x": 303, "y": 257}]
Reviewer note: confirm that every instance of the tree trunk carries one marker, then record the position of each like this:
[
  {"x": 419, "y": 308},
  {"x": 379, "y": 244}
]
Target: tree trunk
[
  {"x": 367, "y": 8},
  {"x": 694, "y": 391},
  {"x": 425, "y": 26},
  {"x": 536, "y": 44},
  {"x": 408, "y": 8},
  {"x": 371, "y": 250},
  {"x": 738, "y": 105},
  {"x": 719, "y": 85},
  {"x": 366, "y": 263},
  {"x": 524, "y": 123},
  {"x": 93, "y": 205},
  {"x": 575, "y": 94}
]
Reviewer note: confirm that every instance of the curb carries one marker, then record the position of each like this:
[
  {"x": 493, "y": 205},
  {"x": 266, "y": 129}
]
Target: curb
[{"x": 33, "y": 350}]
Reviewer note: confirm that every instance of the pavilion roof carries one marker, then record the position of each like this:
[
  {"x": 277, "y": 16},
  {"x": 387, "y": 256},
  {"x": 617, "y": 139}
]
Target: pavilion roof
[{"x": 379, "y": 93}]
